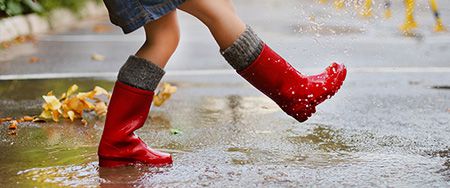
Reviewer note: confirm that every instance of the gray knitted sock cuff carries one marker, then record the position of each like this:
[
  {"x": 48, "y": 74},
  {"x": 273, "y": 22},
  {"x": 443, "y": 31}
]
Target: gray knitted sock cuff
[
  {"x": 244, "y": 50},
  {"x": 140, "y": 73}
]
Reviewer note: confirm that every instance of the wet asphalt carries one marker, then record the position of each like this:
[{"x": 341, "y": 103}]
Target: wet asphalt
[{"x": 389, "y": 125}]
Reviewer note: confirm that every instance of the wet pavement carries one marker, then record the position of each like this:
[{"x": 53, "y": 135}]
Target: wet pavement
[{"x": 388, "y": 126}]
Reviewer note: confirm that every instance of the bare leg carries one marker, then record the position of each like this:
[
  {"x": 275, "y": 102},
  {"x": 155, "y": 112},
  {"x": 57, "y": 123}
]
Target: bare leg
[
  {"x": 132, "y": 97},
  {"x": 219, "y": 16},
  {"x": 296, "y": 94},
  {"x": 162, "y": 37}
]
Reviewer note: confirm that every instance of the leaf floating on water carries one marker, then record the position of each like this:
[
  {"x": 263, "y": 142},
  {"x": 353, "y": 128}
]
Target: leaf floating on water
[{"x": 164, "y": 94}]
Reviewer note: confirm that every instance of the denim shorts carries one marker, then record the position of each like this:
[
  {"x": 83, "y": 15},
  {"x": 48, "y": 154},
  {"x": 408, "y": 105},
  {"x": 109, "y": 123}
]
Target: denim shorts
[{"x": 130, "y": 15}]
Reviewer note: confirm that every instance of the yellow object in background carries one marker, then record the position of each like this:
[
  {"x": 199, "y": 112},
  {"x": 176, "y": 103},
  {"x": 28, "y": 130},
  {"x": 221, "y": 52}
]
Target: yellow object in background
[
  {"x": 439, "y": 27},
  {"x": 387, "y": 9},
  {"x": 367, "y": 9},
  {"x": 410, "y": 22},
  {"x": 339, "y": 4},
  {"x": 323, "y": 1}
]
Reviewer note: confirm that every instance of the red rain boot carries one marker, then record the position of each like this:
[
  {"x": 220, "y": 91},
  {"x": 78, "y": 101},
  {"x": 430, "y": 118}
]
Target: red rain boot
[
  {"x": 127, "y": 112},
  {"x": 296, "y": 94}
]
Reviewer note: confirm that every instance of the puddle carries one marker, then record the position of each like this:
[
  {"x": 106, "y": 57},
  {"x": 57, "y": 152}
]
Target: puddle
[
  {"x": 21, "y": 97},
  {"x": 225, "y": 140},
  {"x": 323, "y": 138},
  {"x": 444, "y": 154}
]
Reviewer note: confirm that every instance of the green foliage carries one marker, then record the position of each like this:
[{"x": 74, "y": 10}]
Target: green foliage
[
  {"x": 74, "y": 5},
  {"x": 18, "y": 7}
]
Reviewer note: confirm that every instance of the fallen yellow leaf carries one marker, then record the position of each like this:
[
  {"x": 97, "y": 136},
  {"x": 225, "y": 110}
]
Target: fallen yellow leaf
[
  {"x": 28, "y": 118},
  {"x": 13, "y": 125},
  {"x": 72, "y": 105},
  {"x": 52, "y": 103},
  {"x": 72, "y": 89},
  {"x": 71, "y": 115},
  {"x": 100, "y": 91},
  {"x": 98, "y": 57},
  {"x": 5, "y": 119},
  {"x": 101, "y": 108},
  {"x": 164, "y": 94},
  {"x": 46, "y": 114},
  {"x": 55, "y": 116},
  {"x": 84, "y": 122},
  {"x": 75, "y": 104}
]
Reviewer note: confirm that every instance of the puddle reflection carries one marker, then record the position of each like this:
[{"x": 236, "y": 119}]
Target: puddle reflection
[{"x": 324, "y": 138}]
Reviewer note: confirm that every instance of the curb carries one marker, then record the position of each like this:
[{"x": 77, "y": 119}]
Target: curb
[{"x": 59, "y": 19}]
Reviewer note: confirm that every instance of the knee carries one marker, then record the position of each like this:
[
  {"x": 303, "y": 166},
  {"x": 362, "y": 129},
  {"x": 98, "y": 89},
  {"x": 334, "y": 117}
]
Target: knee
[
  {"x": 210, "y": 12},
  {"x": 168, "y": 40}
]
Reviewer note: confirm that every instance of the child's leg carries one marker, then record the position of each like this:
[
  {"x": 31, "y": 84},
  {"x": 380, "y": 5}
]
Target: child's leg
[
  {"x": 295, "y": 93},
  {"x": 132, "y": 97},
  {"x": 219, "y": 16},
  {"x": 162, "y": 37}
]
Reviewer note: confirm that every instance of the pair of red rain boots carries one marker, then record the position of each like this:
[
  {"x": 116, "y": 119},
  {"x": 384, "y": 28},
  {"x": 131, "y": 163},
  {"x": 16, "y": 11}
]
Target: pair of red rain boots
[{"x": 296, "y": 94}]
